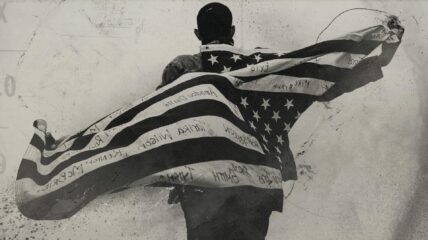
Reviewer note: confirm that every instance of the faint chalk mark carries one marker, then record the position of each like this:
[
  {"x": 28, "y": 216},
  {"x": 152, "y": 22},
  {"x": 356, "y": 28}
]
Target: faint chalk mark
[
  {"x": 305, "y": 169},
  {"x": 290, "y": 192},
  {"x": 310, "y": 212},
  {"x": 2, "y": 16},
  {"x": 98, "y": 26},
  {"x": 347, "y": 10},
  {"x": 21, "y": 58},
  {"x": 12, "y": 50},
  {"x": 416, "y": 21},
  {"x": 138, "y": 31}
]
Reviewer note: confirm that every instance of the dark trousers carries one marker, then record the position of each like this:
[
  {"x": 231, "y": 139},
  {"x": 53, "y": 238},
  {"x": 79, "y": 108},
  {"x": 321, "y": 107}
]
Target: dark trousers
[{"x": 216, "y": 215}]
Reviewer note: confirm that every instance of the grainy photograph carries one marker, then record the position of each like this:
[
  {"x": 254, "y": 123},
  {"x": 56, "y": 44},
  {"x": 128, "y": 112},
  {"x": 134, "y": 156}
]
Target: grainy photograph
[{"x": 202, "y": 120}]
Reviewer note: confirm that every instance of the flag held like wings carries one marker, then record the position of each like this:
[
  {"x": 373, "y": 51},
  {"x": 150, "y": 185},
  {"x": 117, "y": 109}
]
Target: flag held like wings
[{"x": 205, "y": 129}]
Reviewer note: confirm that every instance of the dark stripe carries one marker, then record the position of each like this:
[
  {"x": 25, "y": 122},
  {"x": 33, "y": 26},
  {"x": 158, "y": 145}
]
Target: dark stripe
[
  {"x": 78, "y": 144},
  {"x": 168, "y": 156},
  {"x": 349, "y": 46},
  {"x": 37, "y": 142}
]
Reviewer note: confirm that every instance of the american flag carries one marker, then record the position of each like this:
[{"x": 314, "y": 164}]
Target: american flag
[{"x": 226, "y": 127}]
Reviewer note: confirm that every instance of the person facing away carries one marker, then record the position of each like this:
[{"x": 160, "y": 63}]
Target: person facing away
[{"x": 243, "y": 213}]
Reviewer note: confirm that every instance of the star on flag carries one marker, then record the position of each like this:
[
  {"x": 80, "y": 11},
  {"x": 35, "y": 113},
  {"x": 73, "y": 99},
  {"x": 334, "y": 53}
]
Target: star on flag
[
  {"x": 236, "y": 57},
  {"x": 213, "y": 59},
  {"x": 244, "y": 102},
  {"x": 265, "y": 103},
  {"x": 256, "y": 115},
  {"x": 276, "y": 116},
  {"x": 267, "y": 128},
  {"x": 226, "y": 69},
  {"x": 289, "y": 104}
]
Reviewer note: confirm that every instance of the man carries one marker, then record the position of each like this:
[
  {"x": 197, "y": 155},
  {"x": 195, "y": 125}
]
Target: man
[
  {"x": 235, "y": 213},
  {"x": 239, "y": 213}
]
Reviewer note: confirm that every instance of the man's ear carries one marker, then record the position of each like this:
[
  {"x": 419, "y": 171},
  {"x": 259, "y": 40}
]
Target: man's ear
[
  {"x": 232, "y": 31},
  {"x": 196, "y": 31}
]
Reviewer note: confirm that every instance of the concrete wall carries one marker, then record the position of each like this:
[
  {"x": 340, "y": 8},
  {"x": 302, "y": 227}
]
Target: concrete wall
[{"x": 362, "y": 170}]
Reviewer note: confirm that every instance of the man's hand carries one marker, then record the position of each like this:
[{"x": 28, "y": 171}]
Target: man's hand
[
  {"x": 389, "y": 49},
  {"x": 51, "y": 142}
]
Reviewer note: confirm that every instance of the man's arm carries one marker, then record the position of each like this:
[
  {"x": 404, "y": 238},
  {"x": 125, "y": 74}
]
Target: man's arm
[{"x": 368, "y": 70}]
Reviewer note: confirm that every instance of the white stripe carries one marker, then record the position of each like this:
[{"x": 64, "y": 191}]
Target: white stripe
[
  {"x": 219, "y": 173},
  {"x": 33, "y": 154},
  {"x": 376, "y": 33},
  {"x": 197, "y": 127},
  {"x": 63, "y": 146},
  {"x": 288, "y": 84},
  {"x": 340, "y": 59},
  {"x": 337, "y": 59},
  {"x": 268, "y": 67}
]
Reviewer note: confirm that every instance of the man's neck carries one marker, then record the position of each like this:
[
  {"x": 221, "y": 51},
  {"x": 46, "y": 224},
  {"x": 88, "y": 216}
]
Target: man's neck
[{"x": 228, "y": 41}]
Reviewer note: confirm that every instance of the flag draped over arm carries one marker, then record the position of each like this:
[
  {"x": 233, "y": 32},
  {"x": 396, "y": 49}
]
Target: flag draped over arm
[{"x": 205, "y": 129}]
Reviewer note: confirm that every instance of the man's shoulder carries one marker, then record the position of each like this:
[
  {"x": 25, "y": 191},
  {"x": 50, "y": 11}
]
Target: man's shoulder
[
  {"x": 186, "y": 60},
  {"x": 180, "y": 65}
]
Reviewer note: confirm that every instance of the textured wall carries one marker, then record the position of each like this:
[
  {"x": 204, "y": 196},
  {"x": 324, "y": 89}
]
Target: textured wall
[{"x": 361, "y": 158}]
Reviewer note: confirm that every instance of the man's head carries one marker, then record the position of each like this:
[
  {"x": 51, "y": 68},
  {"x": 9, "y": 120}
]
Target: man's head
[{"x": 215, "y": 23}]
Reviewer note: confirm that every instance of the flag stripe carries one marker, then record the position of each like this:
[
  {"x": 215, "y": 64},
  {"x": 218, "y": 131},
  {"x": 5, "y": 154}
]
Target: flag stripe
[
  {"x": 310, "y": 70},
  {"x": 288, "y": 84},
  {"x": 37, "y": 141}
]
